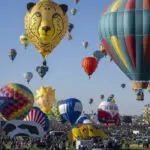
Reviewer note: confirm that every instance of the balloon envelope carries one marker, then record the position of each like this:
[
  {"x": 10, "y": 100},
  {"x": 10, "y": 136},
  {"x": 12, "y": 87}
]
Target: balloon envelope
[
  {"x": 85, "y": 44},
  {"x": 71, "y": 109},
  {"x": 12, "y": 54},
  {"x": 16, "y": 100},
  {"x": 82, "y": 118},
  {"x": 98, "y": 55},
  {"x": 89, "y": 65},
  {"x": 108, "y": 112},
  {"x": 45, "y": 97},
  {"x": 70, "y": 27},
  {"x": 127, "y": 37},
  {"x": 73, "y": 11},
  {"x": 28, "y": 76},
  {"x": 24, "y": 39},
  {"x": 36, "y": 115},
  {"x": 47, "y": 28}
]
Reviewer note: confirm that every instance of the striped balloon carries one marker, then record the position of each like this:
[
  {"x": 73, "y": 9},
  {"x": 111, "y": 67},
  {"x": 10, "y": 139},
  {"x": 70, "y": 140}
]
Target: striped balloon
[
  {"x": 71, "y": 109},
  {"x": 124, "y": 31},
  {"x": 16, "y": 100},
  {"x": 39, "y": 117}
]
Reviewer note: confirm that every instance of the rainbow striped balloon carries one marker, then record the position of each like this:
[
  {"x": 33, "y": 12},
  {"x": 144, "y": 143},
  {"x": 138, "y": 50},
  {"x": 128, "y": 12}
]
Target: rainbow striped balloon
[{"x": 16, "y": 100}]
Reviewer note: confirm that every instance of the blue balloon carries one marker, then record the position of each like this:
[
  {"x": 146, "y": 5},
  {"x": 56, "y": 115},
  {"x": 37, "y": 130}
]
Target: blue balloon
[
  {"x": 71, "y": 109},
  {"x": 81, "y": 119},
  {"x": 98, "y": 55}
]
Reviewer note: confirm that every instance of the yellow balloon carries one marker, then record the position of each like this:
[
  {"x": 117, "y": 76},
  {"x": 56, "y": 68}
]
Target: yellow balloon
[
  {"x": 76, "y": 134},
  {"x": 84, "y": 131},
  {"x": 46, "y": 23},
  {"x": 45, "y": 97}
]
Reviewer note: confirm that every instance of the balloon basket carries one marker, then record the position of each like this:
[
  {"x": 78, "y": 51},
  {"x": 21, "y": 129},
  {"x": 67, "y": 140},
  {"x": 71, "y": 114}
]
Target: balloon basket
[
  {"x": 140, "y": 96},
  {"x": 89, "y": 77}
]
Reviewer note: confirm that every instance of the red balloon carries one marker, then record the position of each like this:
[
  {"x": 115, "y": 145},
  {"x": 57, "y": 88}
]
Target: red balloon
[
  {"x": 69, "y": 36},
  {"x": 89, "y": 64}
]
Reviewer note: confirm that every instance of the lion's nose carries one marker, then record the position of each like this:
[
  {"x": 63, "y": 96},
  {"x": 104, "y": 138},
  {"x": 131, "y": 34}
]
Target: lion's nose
[{"x": 46, "y": 28}]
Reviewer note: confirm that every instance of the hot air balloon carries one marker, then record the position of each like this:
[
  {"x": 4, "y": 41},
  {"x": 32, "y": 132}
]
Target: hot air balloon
[
  {"x": 12, "y": 54},
  {"x": 71, "y": 109},
  {"x": 47, "y": 28},
  {"x": 83, "y": 120},
  {"x": 98, "y": 55},
  {"x": 16, "y": 100},
  {"x": 87, "y": 132},
  {"x": 123, "y": 85},
  {"x": 124, "y": 32},
  {"x": 85, "y": 44},
  {"x": 91, "y": 101},
  {"x": 89, "y": 65},
  {"x": 28, "y": 76},
  {"x": 108, "y": 113},
  {"x": 73, "y": 11},
  {"x": 110, "y": 59},
  {"x": 42, "y": 70},
  {"x": 70, "y": 27},
  {"x": 55, "y": 111},
  {"x": 45, "y": 97},
  {"x": 24, "y": 39},
  {"x": 14, "y": 128},
  {"x": 102, "y": 96},
  {"x": 111, "y": 98},
  {"x": 103, "y": 50},
  {"x": 76, "y": 1},
  {"x": 36, "y": 115},
  {"x": 69, "y": 36}
]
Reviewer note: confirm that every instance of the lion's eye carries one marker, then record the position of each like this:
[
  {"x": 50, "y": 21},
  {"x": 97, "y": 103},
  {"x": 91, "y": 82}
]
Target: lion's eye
[
  {"x": 38, "y": 14},
  {"x": 55, "y": 15}
]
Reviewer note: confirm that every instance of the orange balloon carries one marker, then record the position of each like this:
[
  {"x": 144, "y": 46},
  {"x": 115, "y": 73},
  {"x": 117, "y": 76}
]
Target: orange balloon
[{"x": 89, "y": 65}]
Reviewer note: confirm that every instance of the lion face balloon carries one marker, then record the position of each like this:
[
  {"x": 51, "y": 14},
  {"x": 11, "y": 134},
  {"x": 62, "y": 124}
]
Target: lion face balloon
[{"x": 46, "y": 24}]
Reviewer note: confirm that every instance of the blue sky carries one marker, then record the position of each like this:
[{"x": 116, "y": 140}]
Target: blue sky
[{"x": 65, "y": 72}]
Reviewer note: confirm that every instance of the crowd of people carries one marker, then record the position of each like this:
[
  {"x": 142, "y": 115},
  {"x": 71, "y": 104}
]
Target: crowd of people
[{"x": 118, "y": 136}]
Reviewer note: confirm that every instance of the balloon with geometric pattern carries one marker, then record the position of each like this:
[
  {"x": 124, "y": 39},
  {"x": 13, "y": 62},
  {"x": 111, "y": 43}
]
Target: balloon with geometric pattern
[{"x": 16, "y": 100}]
